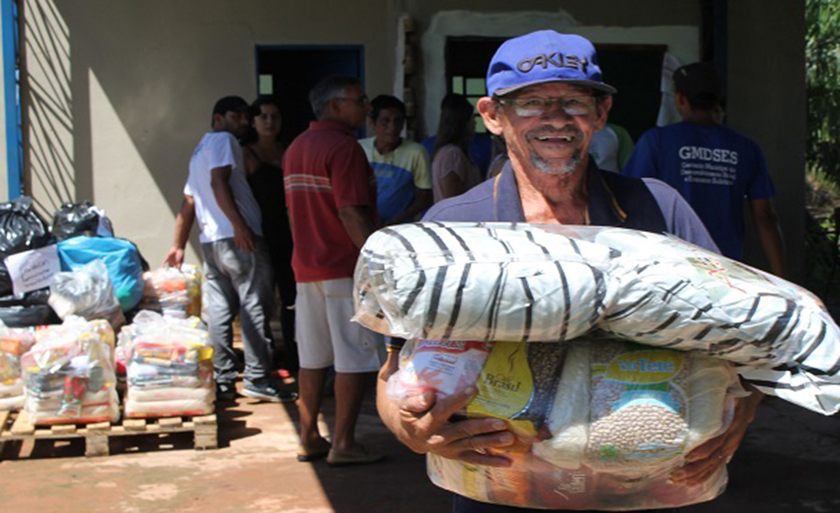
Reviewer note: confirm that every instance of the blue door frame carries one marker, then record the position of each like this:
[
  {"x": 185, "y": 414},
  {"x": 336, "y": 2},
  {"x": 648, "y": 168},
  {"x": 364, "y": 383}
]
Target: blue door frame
[{"x": 14, "y": 157}]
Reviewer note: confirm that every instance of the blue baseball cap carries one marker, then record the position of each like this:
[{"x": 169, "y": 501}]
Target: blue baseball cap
[{"x": 544, "y": 56}]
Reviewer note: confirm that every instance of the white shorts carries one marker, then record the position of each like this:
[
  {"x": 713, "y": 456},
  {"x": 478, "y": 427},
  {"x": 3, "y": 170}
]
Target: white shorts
[{"x": 325, "y": 335}]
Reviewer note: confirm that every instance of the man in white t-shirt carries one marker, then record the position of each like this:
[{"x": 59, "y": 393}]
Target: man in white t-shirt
[{"x": 237, "y": 269}]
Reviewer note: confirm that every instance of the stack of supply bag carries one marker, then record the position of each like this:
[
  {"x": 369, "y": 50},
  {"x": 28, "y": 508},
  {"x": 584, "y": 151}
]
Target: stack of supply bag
[
  {"x": 548, "y": 313},
  {"x": 69, "y": 376},
  {"x": 146, "y": 320},
  {"x": 173, "y": 292},
  {"x": 169, "y": 368},
  {"x": 13, "y": 343}
]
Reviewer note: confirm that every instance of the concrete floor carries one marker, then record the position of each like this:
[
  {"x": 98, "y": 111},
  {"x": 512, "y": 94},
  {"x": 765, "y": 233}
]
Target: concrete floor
[
  {"x": 253, "y": 470},
  {"x": 789, "y": 462}
]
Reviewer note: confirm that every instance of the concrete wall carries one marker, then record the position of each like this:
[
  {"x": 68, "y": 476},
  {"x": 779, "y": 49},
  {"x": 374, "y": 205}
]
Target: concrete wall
[
  {"x": 767, "y": 100},
  {"x": 119, "y": 93}
]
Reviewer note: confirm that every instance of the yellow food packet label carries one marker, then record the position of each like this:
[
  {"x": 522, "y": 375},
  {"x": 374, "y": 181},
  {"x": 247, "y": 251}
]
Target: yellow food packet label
[
  {"x": 206, "y": 353},
  {"x": 505, "y": 384}
]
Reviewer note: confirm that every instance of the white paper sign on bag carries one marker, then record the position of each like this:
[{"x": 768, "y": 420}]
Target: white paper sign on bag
[{"x": 32, "y": 270}]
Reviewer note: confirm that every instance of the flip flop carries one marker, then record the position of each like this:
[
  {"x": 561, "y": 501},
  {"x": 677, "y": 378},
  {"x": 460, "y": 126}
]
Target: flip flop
[
  {"x": 314, "y": 451},
  {"x": 358, "y": 455}
]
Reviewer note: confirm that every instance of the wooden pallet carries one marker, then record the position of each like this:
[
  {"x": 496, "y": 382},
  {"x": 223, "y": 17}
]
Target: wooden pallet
[{"x": 16, "y": 427}]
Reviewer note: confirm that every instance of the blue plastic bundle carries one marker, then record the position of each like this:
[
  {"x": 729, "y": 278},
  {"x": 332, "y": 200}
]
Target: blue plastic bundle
[{"x": 120, "y": 257}]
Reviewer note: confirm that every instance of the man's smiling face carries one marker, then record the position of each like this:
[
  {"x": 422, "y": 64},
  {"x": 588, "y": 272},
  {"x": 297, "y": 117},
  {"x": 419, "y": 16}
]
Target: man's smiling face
[{"x": 549, "y": 126}]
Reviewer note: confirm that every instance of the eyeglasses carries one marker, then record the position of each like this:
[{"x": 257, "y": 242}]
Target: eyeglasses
[
  {"x": 358, "y": 101},
  {"x": 534, "y": 106}
]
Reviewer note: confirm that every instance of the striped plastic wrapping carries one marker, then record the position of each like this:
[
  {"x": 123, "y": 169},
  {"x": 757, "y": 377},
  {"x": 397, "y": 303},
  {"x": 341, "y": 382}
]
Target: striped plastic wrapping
[
  {"x": 525, "y": 282},
  {"x": 672, "y": 294},
  {"x": 476, "y": 281}
]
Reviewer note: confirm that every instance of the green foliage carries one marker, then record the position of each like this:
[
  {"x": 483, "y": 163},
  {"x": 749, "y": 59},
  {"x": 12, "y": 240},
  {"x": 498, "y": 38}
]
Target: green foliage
[{"x": 822, "y": 60}]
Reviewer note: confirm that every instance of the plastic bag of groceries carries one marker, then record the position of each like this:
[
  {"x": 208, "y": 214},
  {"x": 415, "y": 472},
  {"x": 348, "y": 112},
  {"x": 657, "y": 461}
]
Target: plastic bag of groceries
[
  {"x": 146, "y": 320},
  {"x": 170, "y": 368},
  {"x": 13, "y": 343},
  {"x": 600, "y": 424},
  {"x": 122, "y": 261},
  {"x": 173, "y": 292},
  {"x": 86, "y": 292},
  {"x": 68, "y": 374},
  {"x": 520, "y": 282}
]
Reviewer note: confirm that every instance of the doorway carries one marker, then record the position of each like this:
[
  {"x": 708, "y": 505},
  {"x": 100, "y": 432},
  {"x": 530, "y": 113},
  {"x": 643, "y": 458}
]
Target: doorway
[
  {"x": 635, "y": 70},
  {"x": 288, "y": 73}
]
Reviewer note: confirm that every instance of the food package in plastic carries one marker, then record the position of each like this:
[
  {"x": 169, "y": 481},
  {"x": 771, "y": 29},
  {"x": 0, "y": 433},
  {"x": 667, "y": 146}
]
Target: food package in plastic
[
  {"x": 521, "y": 282},
  {"x": 86, "y": 292},
  {"x": 598, "y": 424},
  {"x": 74, "y": 325},
  {"x": 441, "y": 366},
  {"x": 69, "y": 376},
  {"x": 14, "y": 342},
  {"x": 146, "y": 320},
  {"x": 170, "y": 370},
  {"x": 479, "y": 281},
  {"x": 635, "y": 411},
  {"x": 173, "y": 292}
]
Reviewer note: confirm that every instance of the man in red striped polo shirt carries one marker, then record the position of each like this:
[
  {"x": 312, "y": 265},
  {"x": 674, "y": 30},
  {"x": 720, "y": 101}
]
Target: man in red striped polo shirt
[{"x": 331, "y": 197}]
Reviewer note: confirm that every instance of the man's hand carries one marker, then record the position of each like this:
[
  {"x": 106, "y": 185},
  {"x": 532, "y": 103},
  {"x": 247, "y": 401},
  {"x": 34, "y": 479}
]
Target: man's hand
[
  {"x": 174, "y": 258},
  {"x": 707, "y": 459},
  {"x": 424, "y": 425},
  {"x": 183, "y": 225},
  {"x": 244, "y": 239}
]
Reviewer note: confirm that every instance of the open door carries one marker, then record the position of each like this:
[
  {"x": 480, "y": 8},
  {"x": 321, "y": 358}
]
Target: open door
[{"x": 288, "y": 73}]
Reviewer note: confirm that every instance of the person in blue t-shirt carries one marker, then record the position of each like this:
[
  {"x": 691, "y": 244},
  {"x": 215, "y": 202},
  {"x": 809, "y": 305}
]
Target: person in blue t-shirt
[
  {"x": 714, "y": 167},
  {"x": 402, "y": 169}
]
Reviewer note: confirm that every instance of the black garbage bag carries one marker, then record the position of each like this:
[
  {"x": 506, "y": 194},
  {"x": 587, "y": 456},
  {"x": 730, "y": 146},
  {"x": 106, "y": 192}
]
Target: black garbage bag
[
  {"x": 35, "y": 297},
  {"x": 84, "y": 218},
  {"x": 21, "y": 229},
  {"x": 25, "y": 316}
]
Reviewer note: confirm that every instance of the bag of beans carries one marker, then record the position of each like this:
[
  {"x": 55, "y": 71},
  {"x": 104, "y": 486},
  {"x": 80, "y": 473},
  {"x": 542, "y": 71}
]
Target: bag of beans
[{"x": 635, "y": 411}]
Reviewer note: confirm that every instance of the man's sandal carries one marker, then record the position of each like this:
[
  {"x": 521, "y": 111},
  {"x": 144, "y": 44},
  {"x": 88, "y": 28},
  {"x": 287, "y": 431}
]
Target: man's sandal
[{"x": 314, "y": 451}]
